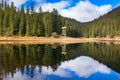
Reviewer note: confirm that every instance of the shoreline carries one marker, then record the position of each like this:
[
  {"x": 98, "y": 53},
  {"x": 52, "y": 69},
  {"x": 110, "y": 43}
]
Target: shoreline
[{"x": 51, "y": 40}]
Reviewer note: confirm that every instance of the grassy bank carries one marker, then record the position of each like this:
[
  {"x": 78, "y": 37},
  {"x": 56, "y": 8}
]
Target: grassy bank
[{"x": 51, "y": 40}]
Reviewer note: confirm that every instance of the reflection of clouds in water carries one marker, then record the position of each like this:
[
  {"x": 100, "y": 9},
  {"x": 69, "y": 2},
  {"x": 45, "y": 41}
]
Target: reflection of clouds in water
[
  {"x": 18, "y": 76},
  {"x": 59, "y": 72},
  {"x": 85, "y": 66},
  {"x": 82, "y": 66}
]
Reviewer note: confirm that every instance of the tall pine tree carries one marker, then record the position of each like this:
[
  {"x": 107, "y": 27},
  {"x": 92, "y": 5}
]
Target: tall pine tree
[
  {"x": 11, "y": 19},
  {"x": 22, "y": 22}
]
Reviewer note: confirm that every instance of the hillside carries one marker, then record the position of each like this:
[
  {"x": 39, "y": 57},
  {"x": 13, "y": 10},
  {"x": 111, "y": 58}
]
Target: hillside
[
  {"x": 107, "y": 25},
  {"x": 27, "y": 22}
]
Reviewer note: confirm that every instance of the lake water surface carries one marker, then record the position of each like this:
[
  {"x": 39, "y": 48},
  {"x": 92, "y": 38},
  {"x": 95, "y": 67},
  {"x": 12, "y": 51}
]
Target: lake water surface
[{"x": 85, "y": 61}]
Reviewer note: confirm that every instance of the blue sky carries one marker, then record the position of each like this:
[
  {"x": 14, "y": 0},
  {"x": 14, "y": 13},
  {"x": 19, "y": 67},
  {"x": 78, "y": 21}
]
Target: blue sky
[
  {"x": 114, "y": 3},
  {"x": 81, "y": 10}
]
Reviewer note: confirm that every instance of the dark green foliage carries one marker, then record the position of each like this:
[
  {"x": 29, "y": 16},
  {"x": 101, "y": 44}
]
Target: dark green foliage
[
  {"x": 1, "y": 18},
  {"x": 5, "y": 25},
  {"x": 27, "y": 22},
  {"x": 47, "y": 20},
  {"x": 18, "y": 22},
  {"x": 57, "y": 21},
  {"x": 22, "y": 22},
  {"x": 11, "y": 19},
  {"x": 35, "y": 24},
  {"x": 106, "y": 25},
  {"x": 40, "y": 28}
]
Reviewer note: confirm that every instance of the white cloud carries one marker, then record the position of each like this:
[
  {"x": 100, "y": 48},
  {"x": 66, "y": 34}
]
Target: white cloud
[
  {"x": 82, "y": 66},
  {"x": 83, "y": 11},
  {"x": 20, "y": 76},
  {"x": 59, "y": 72},
  {"x": 58, "y": 5},
  {"x": 85, "y": 66},
  {"x": 17, "y": 3}
]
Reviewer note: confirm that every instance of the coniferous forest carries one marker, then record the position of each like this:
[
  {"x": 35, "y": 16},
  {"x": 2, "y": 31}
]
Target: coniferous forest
[
  {"x": 25, "y": 21},
  {"x": 107, "y": 25}
]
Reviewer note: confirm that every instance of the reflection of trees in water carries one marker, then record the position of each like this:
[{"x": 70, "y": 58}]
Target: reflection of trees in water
[
  {"x": 106, "y": 54},
  {"x": 27, "y": 57},
  {"x": 14, "y": 57}
]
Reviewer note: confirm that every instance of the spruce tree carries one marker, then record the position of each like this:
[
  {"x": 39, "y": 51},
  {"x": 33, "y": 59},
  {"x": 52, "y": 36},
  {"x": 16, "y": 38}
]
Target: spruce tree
[
  {"x": 17, "y": 22},
  {"x": 27, "y": 22},
  {"x": 1, "y": 15},
  {"x": 32, "y": 22},
  {"x": 35, "y": 25},
  {"x": 47, "y": 20},
  {"x": 11, "y": 19},
  {"x": 22, "y": 22},
  {"x": 40, "y": 10},
  {"x": 5, "y": 30},
  {"x": 40, "y": 29}
]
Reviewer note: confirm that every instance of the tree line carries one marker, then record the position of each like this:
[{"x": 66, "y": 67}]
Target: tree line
[
  {"x": 27, "y": 22},
  {"x": 107, "y": 25}
]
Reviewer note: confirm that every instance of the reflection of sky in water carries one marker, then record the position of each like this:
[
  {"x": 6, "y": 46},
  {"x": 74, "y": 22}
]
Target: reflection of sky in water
[{"x": 81, "y": 68}]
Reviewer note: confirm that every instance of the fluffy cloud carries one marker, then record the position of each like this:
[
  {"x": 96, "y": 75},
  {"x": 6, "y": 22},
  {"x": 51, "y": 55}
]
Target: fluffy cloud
[
  {"x": 82, "y": 66},
  {"x": 83, "y": 11},
  {"x": 85, "y": 66},
  {"x": 58, "y": 5},
  {"x": 20, "y": 76},
  {"x": 17, "y": 3}
]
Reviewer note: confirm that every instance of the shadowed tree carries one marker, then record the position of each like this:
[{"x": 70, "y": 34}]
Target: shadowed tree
[{"x": 22, "y": 22}]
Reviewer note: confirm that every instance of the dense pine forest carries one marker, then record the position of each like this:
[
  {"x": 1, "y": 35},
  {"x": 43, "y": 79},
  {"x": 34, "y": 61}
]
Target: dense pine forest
[
  {"x": 25, "y": 21},
  {"x": 106, "y": 26}
]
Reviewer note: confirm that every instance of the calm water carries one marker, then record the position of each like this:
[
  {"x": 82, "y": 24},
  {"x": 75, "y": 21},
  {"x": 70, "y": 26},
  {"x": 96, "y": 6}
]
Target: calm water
[{"x": 87, "y": 61}]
